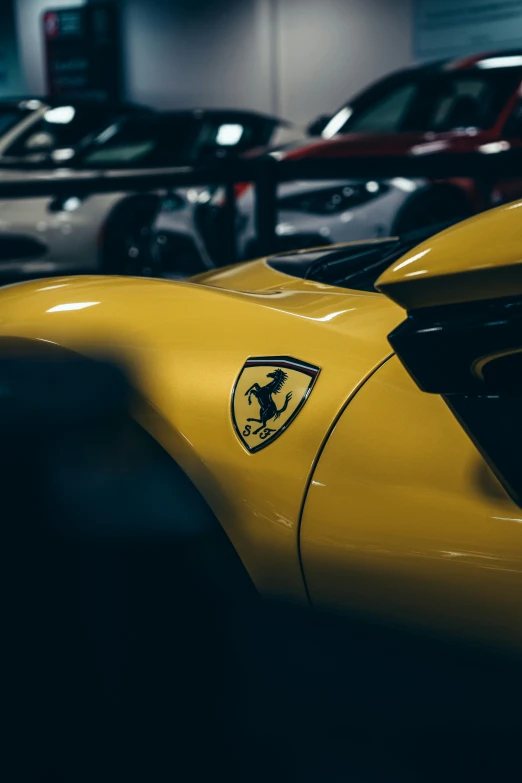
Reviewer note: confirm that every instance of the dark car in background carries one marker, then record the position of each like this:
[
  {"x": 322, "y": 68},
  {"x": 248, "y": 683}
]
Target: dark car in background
[
  {"x": 471, "y": 105},
  {"x": 110, "y": 232},
  {"x": 38, "y": 130}
]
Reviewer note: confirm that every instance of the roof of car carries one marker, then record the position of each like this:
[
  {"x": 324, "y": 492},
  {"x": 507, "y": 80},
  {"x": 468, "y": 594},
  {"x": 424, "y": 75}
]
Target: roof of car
[
  {"x": 225, "y": 113},
  {"x": 506, "y": 58},
  {"x": 32, "y": 101}
]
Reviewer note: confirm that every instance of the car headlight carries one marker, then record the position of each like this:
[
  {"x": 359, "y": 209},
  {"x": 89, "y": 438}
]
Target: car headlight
[
  {"x": 176, "y": 201},
  {"x": 199, "y": 195},
  {"x": 333, "y": 201}
]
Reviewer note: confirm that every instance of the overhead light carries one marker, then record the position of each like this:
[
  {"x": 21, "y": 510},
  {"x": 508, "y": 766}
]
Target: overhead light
[
  {"x": 337, "y": 122},
  {"x": 229, "y": 134},
  {"x": 507, "y": 61},
  {"x": 372, "y": 187},
  {"x": 72, "y": 306},
  {"x": 62, "y": 115}
]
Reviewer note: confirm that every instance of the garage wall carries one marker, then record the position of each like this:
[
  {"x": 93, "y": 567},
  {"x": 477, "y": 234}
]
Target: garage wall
[
  {"x": 198, "y": 52},
  {"x": 11, "y": 78},
  {"x": 296, "y": 58},
  {"x": 445, "y": 28},
  {"x": 330, "y": 49}
]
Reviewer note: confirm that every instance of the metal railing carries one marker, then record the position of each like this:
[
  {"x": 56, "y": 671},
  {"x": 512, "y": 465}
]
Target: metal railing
[{"x": 265, "y": 175}]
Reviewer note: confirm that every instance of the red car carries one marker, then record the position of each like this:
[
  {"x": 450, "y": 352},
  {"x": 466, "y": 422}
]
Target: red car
[{"x": 467, "y": 105}]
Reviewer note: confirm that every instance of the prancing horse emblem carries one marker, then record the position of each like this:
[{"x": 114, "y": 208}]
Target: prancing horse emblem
[
  {"x": 257, "y": 387},
  {"x": 264, "y": 396}
]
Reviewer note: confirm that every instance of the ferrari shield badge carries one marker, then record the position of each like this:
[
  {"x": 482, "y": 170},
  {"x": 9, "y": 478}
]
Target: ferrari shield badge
[{"x": 268, "y": 395}]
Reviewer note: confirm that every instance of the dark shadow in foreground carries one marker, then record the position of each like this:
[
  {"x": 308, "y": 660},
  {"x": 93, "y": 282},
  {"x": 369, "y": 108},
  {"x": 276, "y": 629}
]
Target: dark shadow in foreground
[{"x": 137, "y": 650}]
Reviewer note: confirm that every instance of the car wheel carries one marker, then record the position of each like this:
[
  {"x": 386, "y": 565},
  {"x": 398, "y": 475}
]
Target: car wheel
[
  {"x": 127, "y": 248},
  {"x": 432, "y": 208}
]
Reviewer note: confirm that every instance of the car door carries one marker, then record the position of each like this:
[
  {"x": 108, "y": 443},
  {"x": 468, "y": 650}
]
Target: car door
[{"x": 414, "y": 509}]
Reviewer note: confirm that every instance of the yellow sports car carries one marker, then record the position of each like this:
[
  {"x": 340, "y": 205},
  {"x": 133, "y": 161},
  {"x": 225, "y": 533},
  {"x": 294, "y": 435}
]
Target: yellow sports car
[{"x": 356, "y": 458}]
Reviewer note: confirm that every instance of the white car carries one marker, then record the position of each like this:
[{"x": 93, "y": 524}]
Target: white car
[
  {"x": 325, "y": 212},
  {"x": 44, "y": 130},
  {"x": 310, "y": 214},
  {"x": 109, "y": 232},
  {"x": 38, "y": 138}
]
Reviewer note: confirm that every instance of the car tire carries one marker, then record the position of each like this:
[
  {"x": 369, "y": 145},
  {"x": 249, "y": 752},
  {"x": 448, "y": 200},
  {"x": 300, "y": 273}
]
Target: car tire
[
  {"x": 432, "y": 208},
  {"x": 127, "y": 244}
]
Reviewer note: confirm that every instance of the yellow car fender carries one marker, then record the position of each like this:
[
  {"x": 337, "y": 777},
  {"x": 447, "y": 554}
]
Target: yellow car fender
[
  {"x": 185, "y": 346},
  {"x": 335, "y": 477}
]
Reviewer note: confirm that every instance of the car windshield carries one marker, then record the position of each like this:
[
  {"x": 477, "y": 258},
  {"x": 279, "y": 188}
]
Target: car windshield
[
  {"x": 59, "y": 131},
  {"x": 144, "y": 142},
  {"x": 424, "y": 100},
  {"x": 10, "y": 116}
]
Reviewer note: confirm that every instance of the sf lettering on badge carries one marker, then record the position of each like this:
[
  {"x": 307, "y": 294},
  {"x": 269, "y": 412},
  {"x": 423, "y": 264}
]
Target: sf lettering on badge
[{"x": 269, "y": 393}]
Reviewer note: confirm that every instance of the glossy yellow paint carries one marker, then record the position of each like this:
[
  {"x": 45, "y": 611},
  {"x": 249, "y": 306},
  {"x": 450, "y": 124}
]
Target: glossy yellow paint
[
  {"x": 185, "y": 346},
  {"x": 405, "y": 521},
  {"x": 259, "y": 276},
  {"x": 478, "y": 259},
  {"x": 373, "y": 490},
  {"x": 251, "y": 276}
]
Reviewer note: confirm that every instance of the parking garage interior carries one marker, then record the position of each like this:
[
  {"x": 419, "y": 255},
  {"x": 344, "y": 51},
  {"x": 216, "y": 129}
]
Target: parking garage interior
[{"x": 260, "y": 389}]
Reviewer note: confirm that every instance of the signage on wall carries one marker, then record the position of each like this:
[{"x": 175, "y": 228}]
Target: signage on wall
[
  {"x": 445, "y": 28},
  {"x": 83, "y": 53}
]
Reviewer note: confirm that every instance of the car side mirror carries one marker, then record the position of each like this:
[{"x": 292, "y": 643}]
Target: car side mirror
[{"x": 318, "y": 125}]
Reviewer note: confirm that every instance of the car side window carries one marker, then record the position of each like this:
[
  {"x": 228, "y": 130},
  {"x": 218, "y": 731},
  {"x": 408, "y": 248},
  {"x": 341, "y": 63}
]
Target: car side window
[
  {"x": 387, "y": 114},
  {"x": 120, "y": 145},
  {"x": 60, "y": 128},
  {"x": 140, "y": 142}
]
